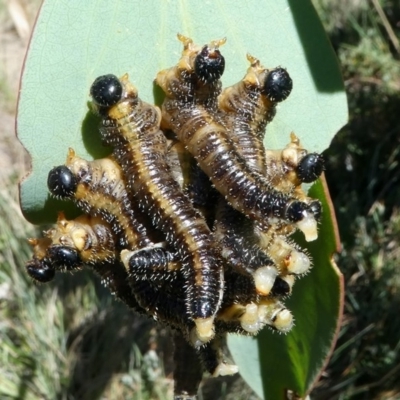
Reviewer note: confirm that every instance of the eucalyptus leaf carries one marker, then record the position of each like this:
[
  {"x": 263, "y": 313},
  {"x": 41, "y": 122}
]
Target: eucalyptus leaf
[
  {"x": 74, "y": 42},
  {"x": 273, "y": 363}
]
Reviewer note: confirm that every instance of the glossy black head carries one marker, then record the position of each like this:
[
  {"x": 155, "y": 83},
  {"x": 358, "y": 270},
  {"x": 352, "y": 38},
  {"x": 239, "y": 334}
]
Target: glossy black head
[
  {"x": 61, "y": 182},
  {"x": 106, "y": 91},
  {"x": 209, "y": 65},
  {"x": 310, "y": 167},
  {"x": 296, "y": 211},
  {"x": 63, "y": 257},
  {"x": 40, "y": 270},
  {"x": 278, "y": 85}
]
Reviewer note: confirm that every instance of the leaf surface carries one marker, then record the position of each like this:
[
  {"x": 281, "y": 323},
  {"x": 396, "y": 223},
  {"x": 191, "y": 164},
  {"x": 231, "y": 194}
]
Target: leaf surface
[{"x": 74, "y": 42}]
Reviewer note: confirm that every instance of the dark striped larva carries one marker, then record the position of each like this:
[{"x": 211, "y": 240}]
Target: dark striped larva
[
  {"x": 239, "y": 247},
  {"x": 193, "y": 181},
  {"x": 86, "y": 240},
  {"x": 189, "y": 221},
  {"x": 246, "y": 107},
  {"x": 90, "y": 236},
  {"x": 132, "y": 127},
  {"x": 203, "y": 91},
  {"x": 161, "y": 303},
  {"x": 195, "y": 79},
  {"x": 288, "y": 168},
  {"x": 73, "y": 243},
  {"x": 292, "y": 166},
  {"x": 210, "y": 144},
  {"x": 98, "y": 188}
]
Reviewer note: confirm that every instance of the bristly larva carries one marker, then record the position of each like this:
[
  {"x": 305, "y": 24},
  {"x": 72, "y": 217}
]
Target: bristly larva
[
  {"x": 239, "y": 247},
  {"x": 160, "y": 289},
  {"x": 132, "y": 127},
  {"x": 86, "y": 240},
  {"x": 210, "y": 144},
  {"x": 248, "y": 106},
  {"x": 288, "y": 168},
  {"x": 155, "y": 265},
  {"x": 98, "y": 188},
  {"x": 245, "y": 109},
  {"x": 40, "y": 267},
  {"x": 193, "y": 181},
  {"x": 188, "y": 222}
]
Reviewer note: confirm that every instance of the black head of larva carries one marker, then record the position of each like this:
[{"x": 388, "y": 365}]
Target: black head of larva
[
  {"x": 296, "y": 211},
  {"x": 64, "y": 256},
  {"x": 209, "y": 65},
  {"x": 310, "y": 167},
  {"x": 61, "y": 182},
  {"x": 40, "y": 270},
  {"x": 278, "y": 85},
  {"x": 106, "y": 90}
]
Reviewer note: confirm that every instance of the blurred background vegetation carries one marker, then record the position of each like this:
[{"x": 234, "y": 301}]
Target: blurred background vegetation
[{"x": 70, "y": 340}]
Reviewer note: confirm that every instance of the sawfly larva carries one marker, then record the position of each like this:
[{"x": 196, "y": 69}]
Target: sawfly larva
[
  {"x": 209, "y": 143},
  {"x": 98, "y": 188},
  {"x": 86, "y": 240},
  {"x": 132, "y": 127}
]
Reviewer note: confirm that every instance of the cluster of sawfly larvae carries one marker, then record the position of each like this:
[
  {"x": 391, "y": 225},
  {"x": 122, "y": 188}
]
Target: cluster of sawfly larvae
[{"x": 189, "y": 220}]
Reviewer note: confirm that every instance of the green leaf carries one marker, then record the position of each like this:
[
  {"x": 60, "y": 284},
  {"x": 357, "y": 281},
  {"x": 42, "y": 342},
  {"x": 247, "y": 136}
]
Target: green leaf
[
  {"x": 74, "y": 42},
  {"x": 272, "y": 363}
]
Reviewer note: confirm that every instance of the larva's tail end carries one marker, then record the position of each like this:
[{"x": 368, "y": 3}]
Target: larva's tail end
[
  {"x": 225, "y": 369},
  {"x": 125, "y": 256},
  {"x": 204, "y": 330},
  {"x": 308, "y": 225},
  {"x": 264, "y": 279}
]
